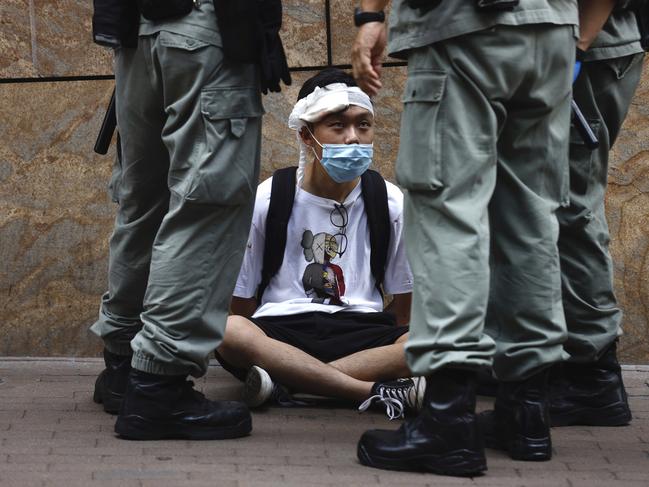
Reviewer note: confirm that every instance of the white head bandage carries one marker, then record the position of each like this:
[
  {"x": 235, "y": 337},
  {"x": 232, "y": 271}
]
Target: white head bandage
[{"x": 317, "y": 105}]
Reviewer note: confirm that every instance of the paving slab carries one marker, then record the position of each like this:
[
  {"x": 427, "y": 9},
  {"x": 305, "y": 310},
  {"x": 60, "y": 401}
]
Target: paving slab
[{"x": 52, "y": 434}]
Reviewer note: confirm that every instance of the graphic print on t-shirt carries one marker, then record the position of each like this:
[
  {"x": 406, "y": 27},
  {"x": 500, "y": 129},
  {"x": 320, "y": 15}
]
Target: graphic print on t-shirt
[{"x": 323, "y": 280}]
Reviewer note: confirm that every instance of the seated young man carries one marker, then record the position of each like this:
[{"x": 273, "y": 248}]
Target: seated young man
[{"x": 320, "y": 326}]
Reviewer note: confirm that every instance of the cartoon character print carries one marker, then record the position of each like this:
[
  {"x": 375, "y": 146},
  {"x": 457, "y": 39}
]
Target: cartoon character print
[{"x": 323, "y": 280}]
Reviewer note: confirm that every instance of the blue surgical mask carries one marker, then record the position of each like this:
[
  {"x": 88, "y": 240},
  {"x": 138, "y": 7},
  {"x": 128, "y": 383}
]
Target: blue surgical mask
[{"x": 345, "y": 162}]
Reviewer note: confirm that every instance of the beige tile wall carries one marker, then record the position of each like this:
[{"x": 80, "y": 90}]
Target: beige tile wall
[
  {"x": 627, "y": 206},
  {"x": 56, "y": 217},
  {"x": 15, "y": 39}
]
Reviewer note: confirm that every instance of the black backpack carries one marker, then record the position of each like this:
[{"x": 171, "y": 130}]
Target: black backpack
[{"x": 282, "y": 196}]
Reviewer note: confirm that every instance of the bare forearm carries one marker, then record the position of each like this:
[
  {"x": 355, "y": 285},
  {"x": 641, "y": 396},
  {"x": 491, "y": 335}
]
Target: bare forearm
[
  {"x": 373, "y": 5},
  {"x": 400, "y": 307},
  {"x": 367, "y": 50},
  {"x": 592, "y": 17}
]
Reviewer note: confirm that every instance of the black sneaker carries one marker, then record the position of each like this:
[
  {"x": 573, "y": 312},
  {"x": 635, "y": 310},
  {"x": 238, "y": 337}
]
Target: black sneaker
[
  {"x": 259, "y": 389},
  {"x": 111, "y": 382},
  {"x": 398, "y": 396},
  {"x": 160, "y": 407}
]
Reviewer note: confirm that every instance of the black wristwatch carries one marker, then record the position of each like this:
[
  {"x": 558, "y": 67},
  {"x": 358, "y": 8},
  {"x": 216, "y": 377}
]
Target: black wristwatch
[
  {"x": 361, "y": 17},
  {"x": 580, "y": 55}
]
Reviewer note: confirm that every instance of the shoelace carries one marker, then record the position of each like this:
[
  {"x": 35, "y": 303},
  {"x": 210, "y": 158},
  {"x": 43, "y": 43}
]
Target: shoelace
[
  {"x": 400, "y": 393},
  {"x": 393, "y": 407}
]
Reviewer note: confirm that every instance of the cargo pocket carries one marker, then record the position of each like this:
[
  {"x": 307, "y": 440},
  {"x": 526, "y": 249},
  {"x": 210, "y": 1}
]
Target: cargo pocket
[
  {"x": 227, "y": 172},
  {"x": 179, "y": 41},
  {"x": 419, "y": 166},
  {"x": 581, "y": 178},
  {"x": 622, "y": 65},
  {"x": 581, "y": 159}
]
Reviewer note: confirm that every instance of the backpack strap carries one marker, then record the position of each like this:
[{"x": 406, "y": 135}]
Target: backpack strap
[
  {"x": 375, "y": 197},
  {"x": 282, "y": 196}
]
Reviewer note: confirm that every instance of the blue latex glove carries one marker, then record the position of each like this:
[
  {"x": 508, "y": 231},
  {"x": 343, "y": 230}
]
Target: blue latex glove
[{"x": 577, "y": 70}]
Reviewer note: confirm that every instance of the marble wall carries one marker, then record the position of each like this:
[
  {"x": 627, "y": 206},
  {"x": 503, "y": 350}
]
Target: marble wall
[{"x": 56, "y": 216}]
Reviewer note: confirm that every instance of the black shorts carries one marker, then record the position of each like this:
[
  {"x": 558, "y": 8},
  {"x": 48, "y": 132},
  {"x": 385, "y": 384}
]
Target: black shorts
[{"x": 327, "y": 336}]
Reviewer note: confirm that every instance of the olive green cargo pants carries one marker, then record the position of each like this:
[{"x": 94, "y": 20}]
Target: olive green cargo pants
[
  {"x": 190, "y": 125},
  {"x": 603, "y": 91},
  {"x": 484, "y": 159}
]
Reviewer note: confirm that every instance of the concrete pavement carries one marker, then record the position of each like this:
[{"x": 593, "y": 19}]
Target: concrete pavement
[{"x": 52, "y": 434}]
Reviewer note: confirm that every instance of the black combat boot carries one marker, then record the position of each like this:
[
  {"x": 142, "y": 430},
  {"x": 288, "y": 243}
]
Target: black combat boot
[
  {"x": 444, "y": 438},
  {"x": 590, "y": 394},
  {"x": 156, "y": 407},
  {"x": 486, "y": 383},
  {"x": 520, "y": 422},
  {"x": 111, "y": 383}
]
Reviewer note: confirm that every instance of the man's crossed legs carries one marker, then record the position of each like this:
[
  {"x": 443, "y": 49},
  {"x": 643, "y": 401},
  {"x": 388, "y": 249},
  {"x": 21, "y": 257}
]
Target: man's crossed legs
[{"x": 351, "y": 356}]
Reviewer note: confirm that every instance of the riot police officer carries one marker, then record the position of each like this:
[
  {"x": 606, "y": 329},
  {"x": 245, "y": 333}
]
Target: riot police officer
[
  {"x": 189, "y": 120},
  {"x": 483, "y": 157},
  {"x": 588, "y": 388}
]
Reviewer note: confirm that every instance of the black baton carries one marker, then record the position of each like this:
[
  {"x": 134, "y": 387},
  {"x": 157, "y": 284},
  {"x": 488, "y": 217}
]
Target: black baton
[
  {"x": 107, "y": 128},
  {"x": 582, "y": 126}
]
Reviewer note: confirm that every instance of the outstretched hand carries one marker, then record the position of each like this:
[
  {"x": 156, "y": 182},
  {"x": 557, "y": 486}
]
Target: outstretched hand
[{"x": 367, "y": 52}]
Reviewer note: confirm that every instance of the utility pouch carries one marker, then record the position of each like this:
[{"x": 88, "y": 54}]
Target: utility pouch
[
  {"x": 423, "y": 5},
  {"x": 240, "y": 29},
  {"x": 115, "y": 23},
  {"x": 164, "y": 9},
  {"x": 496, "y": 5}
]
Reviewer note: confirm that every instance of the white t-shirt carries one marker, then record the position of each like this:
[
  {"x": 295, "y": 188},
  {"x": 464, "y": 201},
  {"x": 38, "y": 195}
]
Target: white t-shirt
[{"x": 326, "y": 264}]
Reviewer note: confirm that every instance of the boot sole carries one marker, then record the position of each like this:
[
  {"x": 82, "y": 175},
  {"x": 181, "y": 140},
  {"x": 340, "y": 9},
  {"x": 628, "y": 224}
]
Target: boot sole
[
  {"x": 458, "y": 463},
  {"x": 522, "y": 448},
  {"x": 612, "y": 415},
  {"x": 135, "y": 427}
]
